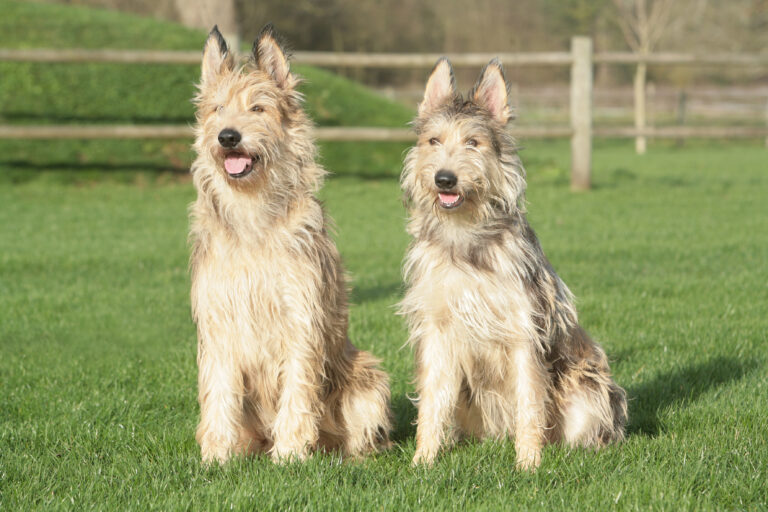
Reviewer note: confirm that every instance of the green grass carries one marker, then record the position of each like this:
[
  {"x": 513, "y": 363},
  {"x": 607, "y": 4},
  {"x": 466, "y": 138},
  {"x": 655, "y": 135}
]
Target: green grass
[
  {"x": 97, "y": 376},
  {"x": 667, "y": 256}
]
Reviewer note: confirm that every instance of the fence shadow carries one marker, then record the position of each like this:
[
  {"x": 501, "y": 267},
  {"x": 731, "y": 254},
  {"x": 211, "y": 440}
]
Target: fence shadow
[
  {"x": 73, "y": 166},
  {"x": 75, "y": 119},
  {"x": 680, "y": 387},
  {"x": 70, "y": 165}
]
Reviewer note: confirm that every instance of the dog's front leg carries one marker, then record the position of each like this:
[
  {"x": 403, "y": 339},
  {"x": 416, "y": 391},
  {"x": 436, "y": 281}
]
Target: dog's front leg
[
  {"x": 530, "y": 381},
  {"x": 438, "y": 380},
  {"x": 295, "y": 430},
  {"x": 220, "y": 396}
]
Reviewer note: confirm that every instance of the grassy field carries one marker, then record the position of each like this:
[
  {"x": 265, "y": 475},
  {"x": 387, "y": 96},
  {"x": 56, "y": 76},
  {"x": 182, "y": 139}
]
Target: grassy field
[{"x": 667, "y": 255}]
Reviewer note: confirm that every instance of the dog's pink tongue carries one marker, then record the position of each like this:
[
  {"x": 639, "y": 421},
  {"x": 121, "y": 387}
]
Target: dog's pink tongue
[
  {"x": 236, "y": 164},
  {"x": 448, "y": 198}
]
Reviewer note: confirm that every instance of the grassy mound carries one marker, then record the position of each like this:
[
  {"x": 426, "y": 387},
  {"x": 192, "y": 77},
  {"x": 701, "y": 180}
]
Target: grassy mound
[{"x": 37, "y": 93}]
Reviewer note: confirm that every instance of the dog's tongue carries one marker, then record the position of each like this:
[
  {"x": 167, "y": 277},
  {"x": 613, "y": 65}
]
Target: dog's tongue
[
  {"x": 236, "y": 164},
  {"x": 448, "y": 198}
]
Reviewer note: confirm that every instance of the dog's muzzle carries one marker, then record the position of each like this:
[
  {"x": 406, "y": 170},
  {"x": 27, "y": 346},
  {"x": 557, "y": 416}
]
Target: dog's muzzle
[
  {"x": 236, "y": 164},
  {"x": 446, "y": 181}
]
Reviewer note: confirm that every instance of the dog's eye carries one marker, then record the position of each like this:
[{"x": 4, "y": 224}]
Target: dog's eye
[
  {"x": 434, "y": 141},
  {"x": 257, "y": 108},
  {"x": 472, "y": 143},
  {"x": 219, "y": 108}
]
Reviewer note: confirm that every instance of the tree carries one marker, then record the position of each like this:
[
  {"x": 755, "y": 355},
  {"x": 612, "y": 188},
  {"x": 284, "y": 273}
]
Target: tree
[
  {"x": 644, "y": 23},
  {"x": 206, "y": 14}
]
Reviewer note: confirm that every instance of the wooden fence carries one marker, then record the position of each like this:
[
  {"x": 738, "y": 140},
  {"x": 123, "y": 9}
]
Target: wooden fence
[{"x": 581, "y": 60}]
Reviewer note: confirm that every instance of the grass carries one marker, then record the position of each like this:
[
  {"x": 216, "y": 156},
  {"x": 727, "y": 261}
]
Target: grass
[
  {"x": 667, "y": 256},
  {"x": 98, "y": 405}
]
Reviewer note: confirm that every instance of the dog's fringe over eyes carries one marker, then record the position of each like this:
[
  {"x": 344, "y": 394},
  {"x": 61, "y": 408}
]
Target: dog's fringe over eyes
[
  {"x": 277, "y": 372},
  {"x": 499, "y": 350}
]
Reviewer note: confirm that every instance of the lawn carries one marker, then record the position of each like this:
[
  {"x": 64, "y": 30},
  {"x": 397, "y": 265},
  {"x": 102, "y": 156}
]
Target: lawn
[{"x": 667, "y": 256}]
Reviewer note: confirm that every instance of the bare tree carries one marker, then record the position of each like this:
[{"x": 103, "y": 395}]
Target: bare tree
[{"x": 644, "y": 23}]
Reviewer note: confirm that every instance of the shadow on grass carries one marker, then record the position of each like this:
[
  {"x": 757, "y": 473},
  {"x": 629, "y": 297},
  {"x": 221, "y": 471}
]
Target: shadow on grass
[
  {"x": 67, "y": 172},
  {"x": 69, "y": 165},
  {"x": 404, "y": 418},
  {"x": 679, "y": 388},
  {"x": 365, "y": 294},
  {"x": 47, "y": 118},
  {"x": 616, "y": 178},
  {"x": 23, "y": 170},
  {"x": 365, "y": 175}
]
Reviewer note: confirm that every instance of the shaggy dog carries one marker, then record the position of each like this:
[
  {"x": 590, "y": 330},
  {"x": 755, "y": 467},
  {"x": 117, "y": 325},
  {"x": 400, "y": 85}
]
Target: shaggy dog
[
  {"x": 277, "y": 372},
  {"x": 499, "y": 350}
]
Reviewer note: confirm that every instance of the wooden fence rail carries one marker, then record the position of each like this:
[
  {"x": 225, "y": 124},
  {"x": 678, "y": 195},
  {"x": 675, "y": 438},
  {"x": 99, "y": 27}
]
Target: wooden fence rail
[
  {"x": 581, "y": 60},
  {"x": 351, "y": 134},
  {"x": 340, "y": 133},
  {"x": 386, "y": 60}
]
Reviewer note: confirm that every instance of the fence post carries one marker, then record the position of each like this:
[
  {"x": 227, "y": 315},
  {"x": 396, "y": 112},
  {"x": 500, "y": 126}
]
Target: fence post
[
  {"x": 581, "y": 113},
  {"x": 682, "y": 107}
]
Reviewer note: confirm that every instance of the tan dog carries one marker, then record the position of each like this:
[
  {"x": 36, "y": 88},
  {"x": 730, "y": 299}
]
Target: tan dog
[
  {"x": 499, "y": 350},
  {"x": 277, "y": 372}
]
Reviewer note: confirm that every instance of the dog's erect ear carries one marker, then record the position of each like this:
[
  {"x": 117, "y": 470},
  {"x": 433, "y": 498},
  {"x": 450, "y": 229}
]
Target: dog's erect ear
[
  {"x": 271, "y": 57},
  {"x": 441, "y": 86},
  {"x": 490, "y": 91},
  {"x": 216, "y": 57}
]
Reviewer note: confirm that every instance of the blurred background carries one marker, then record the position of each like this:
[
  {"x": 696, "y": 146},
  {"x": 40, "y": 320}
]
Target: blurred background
[{"x": 540, "y": 93}]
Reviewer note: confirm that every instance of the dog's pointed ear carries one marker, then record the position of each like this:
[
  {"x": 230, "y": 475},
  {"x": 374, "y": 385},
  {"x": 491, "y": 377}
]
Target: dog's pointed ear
[
  {"x": 270, "y": 56},
  {"x": 441, "y": 86},
  {"x": 217, "y": 58},
  {"x": 490, "y": 91}
]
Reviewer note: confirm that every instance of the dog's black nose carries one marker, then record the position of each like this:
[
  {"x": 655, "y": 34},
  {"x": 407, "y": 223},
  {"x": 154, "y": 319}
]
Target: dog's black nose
[
  {"x": 229, "y": 138},
  {"x": 445, "y": 179}
]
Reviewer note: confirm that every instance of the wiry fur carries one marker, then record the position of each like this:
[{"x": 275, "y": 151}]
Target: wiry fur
[
  {"x": 277, "y": 372},
  {"x": 498, "y": 347}
]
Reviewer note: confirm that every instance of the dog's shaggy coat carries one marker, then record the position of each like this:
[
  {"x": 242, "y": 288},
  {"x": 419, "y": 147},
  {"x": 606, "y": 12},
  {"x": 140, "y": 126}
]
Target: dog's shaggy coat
[
  {"x": 499, "y": 350},
  {"x": 277, "y": 372}
]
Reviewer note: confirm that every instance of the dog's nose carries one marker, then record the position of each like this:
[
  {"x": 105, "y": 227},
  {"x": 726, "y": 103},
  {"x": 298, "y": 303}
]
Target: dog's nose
[
  {"x": 445, "y": 179},
  {"x": 229, "y": 138}
]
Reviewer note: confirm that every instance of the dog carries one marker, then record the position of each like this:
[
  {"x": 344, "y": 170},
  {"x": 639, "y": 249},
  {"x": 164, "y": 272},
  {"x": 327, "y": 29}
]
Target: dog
[
  {"x": 499, "y": 350},
  {"x": 277, "y": 372}
]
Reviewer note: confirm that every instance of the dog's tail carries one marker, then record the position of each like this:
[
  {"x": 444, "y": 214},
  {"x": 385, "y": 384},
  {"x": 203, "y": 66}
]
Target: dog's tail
[
  {"x": 360, "y": 410},
  {"x": 591, "y": 407}
]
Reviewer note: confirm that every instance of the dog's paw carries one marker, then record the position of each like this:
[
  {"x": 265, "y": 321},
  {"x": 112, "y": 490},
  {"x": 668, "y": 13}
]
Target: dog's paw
[
  {"x": 424, "y": 458},
  {"x": 285, "y": 454},
  {"x": 528, "y": 459},
  {"x": 212, "y": 456}
]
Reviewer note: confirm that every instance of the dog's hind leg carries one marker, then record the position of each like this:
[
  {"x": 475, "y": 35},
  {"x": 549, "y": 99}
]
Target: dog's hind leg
[
  {"x": 363, "y": 405},
  {"x": 592, "y": 408}
]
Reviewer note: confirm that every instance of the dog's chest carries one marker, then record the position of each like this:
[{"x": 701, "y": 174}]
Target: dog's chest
[
  {"x": 243, "y": 285},
  {"x": 470, "y": 305}
]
